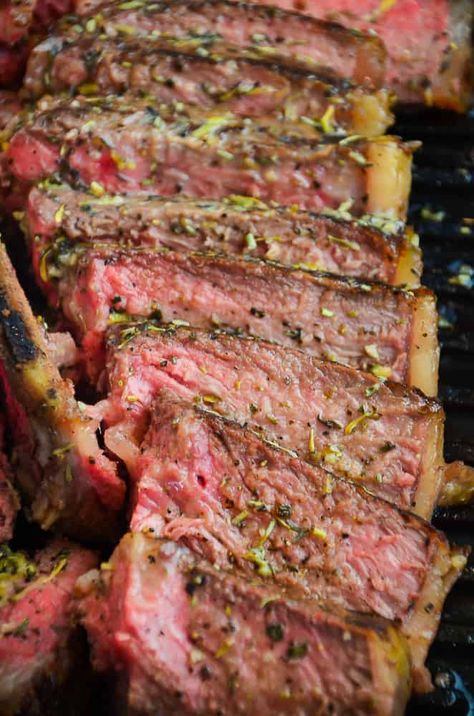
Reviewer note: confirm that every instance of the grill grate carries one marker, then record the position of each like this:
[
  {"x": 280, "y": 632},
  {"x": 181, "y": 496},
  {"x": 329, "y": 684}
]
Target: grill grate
[{"x": 444, "y": 182}]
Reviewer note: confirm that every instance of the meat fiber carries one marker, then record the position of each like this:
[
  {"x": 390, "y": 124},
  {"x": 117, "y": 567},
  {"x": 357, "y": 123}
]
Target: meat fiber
[
  {"x": 70, "y": 483},
  {"x": 263, "y": 31},
  {"x": 386, "y": 437},
  {"x": 127, "y": 145},
  {"x": 428, "y": 43},
  {"x": 39, "y": 633},
  {"x": 9, "y": 502},
  {"x": 236, "y": 498},
  {"x": 370, "y": 326},
  {"x": 184, "y": 638},
  {"x": 223, "y": 79},
  {"x": 58, "y": 217}
]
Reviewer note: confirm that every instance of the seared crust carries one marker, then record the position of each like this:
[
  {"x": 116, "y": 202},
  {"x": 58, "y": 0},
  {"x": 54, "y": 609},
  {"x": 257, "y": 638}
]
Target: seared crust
[
  {"x": 364, "y": 55},
  {"x": 69, "y": 483},
  {"x": 374, "y": 310},
  {"x": 57, "y": 218}
]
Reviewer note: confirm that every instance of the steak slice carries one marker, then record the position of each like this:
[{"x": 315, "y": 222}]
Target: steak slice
[
  {"x": 70, "y": 483},
  {"x": 301, "y": 403},
  {"x": 58, "y": 217},
  {"x": 263, "y": 31},
  {"x": 186, "y": 638},
  {"x": 428, "y": 43},
  {"x": 126, "y": 144},
  {"x": 235, "y": 498},
  {"x": 9, "y": 502},
  {"x": 224, "y": 80},
  {"x": 370, "y": 326},
  {"x": 39, "y": 632}
]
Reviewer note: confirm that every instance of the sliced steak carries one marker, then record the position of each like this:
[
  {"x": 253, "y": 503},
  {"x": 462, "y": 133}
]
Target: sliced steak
[
  {"x": 58, "y": 464},
  {"x": 223, "y": 79},
  {"x": 370, "y": 326},
  {"x": 9, "y": 502},
  {"x": 127, "y": 145},
  {"x": 263, "y": 31},
  {"x": 428, "y": 43},
  {"x": 186, "y": 638},
  {"x": 236, "y": 498},
  {"x": 58, "y": 217},
  {"x": 39, "y": 632},
  {"x": 314, "y": 407}
]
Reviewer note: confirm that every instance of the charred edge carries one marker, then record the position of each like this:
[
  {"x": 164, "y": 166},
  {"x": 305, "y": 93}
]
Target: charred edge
[
  {"x": 267, "y": 12},
  {"x": 151, "y": 329},
  {"x": 116, "y": 253},
  {"x": 19, "y": 342},
  {"x": 285, "y": 67}
]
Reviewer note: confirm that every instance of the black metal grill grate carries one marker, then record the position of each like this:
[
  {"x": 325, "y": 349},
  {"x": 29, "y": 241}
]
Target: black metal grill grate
[{"x": 444, "y": 182}]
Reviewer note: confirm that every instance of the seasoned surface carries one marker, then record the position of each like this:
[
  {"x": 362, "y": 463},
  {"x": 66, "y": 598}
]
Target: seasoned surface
[
  {"x": 39, "y": 628},
  {"x": 362, "y": 325},
  {"x": 57, "y": 216},
  {"x": 126, "y": 145},
  {"x": 188, "y": 639},
  {"x": 314, "y": 407}
]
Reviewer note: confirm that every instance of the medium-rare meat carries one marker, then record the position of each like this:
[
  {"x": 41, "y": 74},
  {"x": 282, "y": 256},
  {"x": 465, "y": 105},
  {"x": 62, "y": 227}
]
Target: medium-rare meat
[
  {"x": 58, "y": 217},
  {"x": 123, "y": 144},
  {"x": 9, "y": 502},
  {"x": 185, "y": 638},
  {"x": 39, "y": 636},
  {"x": 223, "y": 79},
  {"x": 69, "y": 482},
  {"x": 386, "y": 437},
  {"x": 428, "y": 43},
  {"x": 236, "y": 498},
  {"x": 263, "y": 31},
  {"x": 389, "y": 331}
]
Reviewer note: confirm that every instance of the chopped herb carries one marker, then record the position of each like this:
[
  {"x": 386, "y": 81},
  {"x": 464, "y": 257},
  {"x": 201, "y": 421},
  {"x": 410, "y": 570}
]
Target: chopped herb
[
  {"x": 240, "y": 518},
  {"x": 297, "y": 650},
  {"x": 284, "y": 511},
  {"x": 387, "y": 447},
  {"x": 361, "y": 420},
  {"x": 275, "y": 632},
  {"x": 256, "y": 555},
  {"x": 326, "y": 313},
  {"x": 381, "y": 371},
  {"x": 250, "y": 241}
]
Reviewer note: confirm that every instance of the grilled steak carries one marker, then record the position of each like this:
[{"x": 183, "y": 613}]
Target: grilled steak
[
  {"x": 58, "y": 217},
  {"x": 9, "y": 502},
  {"x": 391, "y": 332},
  {"x": 263, "y": 31},
  {"x": 235, "y": 498},
  {"x": 428, "y": 43},
  {"x": 386, "y": 437},
  {"x": 127, "y": 145},
  {"x": 71, "y": 485},
  {"x": 188, "y": 639},
  {"x": 224, "y": 80},
  {"x": 39, "y": 635}
]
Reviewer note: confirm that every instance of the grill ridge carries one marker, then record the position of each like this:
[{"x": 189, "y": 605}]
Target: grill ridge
[{"x": 444, "y": 182}]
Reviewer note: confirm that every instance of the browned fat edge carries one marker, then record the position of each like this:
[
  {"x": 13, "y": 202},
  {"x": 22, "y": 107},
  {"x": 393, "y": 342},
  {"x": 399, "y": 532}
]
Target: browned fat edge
[{"x": 424, "y": 346}]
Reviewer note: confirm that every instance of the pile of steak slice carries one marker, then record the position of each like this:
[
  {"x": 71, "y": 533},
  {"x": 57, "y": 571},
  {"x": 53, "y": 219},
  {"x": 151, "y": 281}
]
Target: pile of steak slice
[{"x": 232, "y": 397}]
